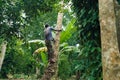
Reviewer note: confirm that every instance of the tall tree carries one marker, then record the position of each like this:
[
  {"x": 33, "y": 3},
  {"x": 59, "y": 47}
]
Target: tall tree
[
  {"x": 52, "y": 68},
  {"x": 56, "y": 46},
  {"x": 110, "y": 50}
]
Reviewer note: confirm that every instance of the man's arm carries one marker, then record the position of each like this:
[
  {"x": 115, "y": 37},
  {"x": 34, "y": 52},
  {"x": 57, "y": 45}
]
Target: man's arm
[{"x": 56, "y": 29}]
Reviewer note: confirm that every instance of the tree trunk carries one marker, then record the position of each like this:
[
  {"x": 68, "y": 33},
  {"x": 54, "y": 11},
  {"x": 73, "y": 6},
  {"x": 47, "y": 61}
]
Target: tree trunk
[
  {"x": 52, "y": 69},
  {"x": 109, "y": 41},
  {"x": 56, "y": 46},
  {"x": 2, "y": 53}
]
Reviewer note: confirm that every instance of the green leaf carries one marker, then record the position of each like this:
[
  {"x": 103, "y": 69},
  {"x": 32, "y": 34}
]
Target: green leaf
[{"x": 44, "y": 58}]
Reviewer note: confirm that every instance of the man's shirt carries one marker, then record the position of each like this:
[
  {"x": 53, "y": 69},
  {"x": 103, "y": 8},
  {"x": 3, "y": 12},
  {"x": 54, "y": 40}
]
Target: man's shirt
[{"x": 48, "y": 33}]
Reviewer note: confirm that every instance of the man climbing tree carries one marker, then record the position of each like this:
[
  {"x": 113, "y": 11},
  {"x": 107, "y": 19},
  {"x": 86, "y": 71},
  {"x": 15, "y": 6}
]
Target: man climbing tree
[
  {"x": 52, "y": 68},
  {"x": 52, "y": 51},
  {"x": 49, "y": 40}
]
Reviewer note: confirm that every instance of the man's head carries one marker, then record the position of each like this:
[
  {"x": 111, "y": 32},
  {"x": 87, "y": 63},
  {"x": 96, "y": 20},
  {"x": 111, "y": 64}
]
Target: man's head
[{"x": 46, "y": 25}]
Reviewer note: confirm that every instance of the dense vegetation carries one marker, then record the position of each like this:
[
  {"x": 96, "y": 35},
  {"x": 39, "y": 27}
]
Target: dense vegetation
[
  {"x": 89, "y": 38},
  {"x": 22, "y": 24}
]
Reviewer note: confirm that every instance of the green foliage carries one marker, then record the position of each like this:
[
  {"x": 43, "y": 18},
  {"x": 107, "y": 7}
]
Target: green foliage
[
  {"x": 64, "y": 67},
  {"x": 36, "y": 28},
  {"x": 69, "y": 30},
  {"x": 16, "y": 19},
  {"x": 23, "y": 20},
  {"x": 31, "y": 7},
  {"x": 44, "y": 58},
  {"x": 65, "y": 61},
  {"x": 23, "y": 76},
  {"x": 16, "y": 14},
  {"x": 17, "y": 59},
  {"x": 10, "y": 18},
  {"x": 89, "y": 58}
]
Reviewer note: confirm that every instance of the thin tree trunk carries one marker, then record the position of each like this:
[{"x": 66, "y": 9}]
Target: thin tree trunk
[
  {"x": 56, "y": 46},
  {"x": 2, "y": 53},
  {"x": 52, "y": 69},
  {"x": 110, "y": 50}
]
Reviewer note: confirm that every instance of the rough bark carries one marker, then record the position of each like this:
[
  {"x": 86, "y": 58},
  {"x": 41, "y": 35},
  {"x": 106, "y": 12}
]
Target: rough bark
[
  {"x": 2, "y": 53},
  {"x": 50, "y": 70},
  {"x": 109, "y": 41}
]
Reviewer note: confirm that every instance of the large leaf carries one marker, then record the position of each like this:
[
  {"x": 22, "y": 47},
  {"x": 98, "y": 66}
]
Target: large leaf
[
  {"x": 70, "y": 29},
  {"x": 44, "y": 58}
]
